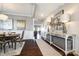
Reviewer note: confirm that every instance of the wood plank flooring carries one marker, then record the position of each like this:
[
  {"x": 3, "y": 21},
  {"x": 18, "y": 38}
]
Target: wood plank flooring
[{"x": 30, "y": 49}]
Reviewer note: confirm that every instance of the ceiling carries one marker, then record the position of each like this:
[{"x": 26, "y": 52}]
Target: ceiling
[
  {"x": 45, "y": 9},
  {"x": 21, "y": 9},
  {"x": 36, "y": 10}
]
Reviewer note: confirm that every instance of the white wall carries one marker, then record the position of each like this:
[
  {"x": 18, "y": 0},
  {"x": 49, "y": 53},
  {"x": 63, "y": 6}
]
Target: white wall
[
  {"x": 28, "y": 34},
  {"x": 73, "y": 25}
]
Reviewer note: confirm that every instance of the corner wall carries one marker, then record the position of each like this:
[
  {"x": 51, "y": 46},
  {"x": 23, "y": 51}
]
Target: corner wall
[
  {"x": 28, "y": 34},
  {"x": 73, "y": 25}
]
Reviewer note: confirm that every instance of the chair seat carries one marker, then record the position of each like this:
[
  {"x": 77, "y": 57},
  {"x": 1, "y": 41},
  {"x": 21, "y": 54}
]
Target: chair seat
[
  {"x": 19, "y": 40},
  {"x": 1, "y": 42}
]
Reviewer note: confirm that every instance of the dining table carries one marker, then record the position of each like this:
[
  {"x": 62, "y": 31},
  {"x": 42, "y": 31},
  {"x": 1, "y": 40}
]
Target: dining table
[{"x": 11, "y": 37}]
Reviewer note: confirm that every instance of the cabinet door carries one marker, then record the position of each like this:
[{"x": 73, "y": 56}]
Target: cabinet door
[
  {"x": 48, "y": 37},
  {"x": 69, "y": 45},
  {"x": 60, "y": 42}
]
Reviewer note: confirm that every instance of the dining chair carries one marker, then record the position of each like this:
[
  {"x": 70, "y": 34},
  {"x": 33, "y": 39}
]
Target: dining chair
[
  {"x": 3, "y": 42},
  {"x": 19, "y": 39},
  {"x": 13, "y": 33}
]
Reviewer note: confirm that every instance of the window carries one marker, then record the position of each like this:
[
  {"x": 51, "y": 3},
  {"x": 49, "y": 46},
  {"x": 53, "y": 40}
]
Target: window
[
  {"x": 21, "y": 24},
  {"x": 7, "y": 24}
]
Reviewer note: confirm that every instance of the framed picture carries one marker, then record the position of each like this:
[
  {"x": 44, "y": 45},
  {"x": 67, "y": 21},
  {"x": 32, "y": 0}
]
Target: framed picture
[{"x": 21, "y": 24}]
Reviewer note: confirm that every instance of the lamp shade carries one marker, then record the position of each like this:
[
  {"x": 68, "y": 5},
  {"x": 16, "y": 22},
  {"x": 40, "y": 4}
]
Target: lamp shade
[
  {"x": 3, "y": 17},
  {"x": 65, "y": 18}
]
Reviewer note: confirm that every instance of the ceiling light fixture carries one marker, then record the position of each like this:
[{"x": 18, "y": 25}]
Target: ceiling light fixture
[
  {"x": 42, "y": 15},
  {"x": 65, "y": 18},
  {"x": 3, "y": 16}
]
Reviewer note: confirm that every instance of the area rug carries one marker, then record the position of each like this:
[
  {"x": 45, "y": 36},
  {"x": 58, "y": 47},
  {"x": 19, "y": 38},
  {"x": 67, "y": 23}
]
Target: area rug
[
  {"x": 30, "y": 49},
  {"x": 12, "y": 51}
]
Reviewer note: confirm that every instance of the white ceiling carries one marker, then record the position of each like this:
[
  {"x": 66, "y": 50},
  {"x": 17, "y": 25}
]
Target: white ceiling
[
  {"x": 22, "y": 9},
  {"x": 46, "y": 9},
  {"x": 29, "y": 9}
]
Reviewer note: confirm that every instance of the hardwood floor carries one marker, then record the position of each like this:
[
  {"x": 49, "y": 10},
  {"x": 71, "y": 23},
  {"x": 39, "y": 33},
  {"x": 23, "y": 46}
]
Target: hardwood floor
[{"x": 30, "y": 49}]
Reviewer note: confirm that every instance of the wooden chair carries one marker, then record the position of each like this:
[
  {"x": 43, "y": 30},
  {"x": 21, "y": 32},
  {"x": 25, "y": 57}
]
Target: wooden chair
[
  {"x": 3, "y": 42},
  {"x": 18, "y": 39},
  {"x": 13, "y": 33}
]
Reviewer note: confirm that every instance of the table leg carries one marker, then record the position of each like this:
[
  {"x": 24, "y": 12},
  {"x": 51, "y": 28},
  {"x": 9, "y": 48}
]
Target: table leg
[
  {"x": 12, "y": 44},
  {"x": 1, "y": 46},
  {"x": 4, "y": 47},
  {"x": 9, "y": 44},
  {"x": 15, "y": 44}
]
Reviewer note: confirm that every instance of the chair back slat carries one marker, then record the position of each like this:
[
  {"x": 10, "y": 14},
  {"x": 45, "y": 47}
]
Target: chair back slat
[{"x": 22, "y": 35}]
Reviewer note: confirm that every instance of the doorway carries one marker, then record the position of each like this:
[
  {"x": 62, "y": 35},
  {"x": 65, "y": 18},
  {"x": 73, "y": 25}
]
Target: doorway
[{"x": 37, "y": 32}]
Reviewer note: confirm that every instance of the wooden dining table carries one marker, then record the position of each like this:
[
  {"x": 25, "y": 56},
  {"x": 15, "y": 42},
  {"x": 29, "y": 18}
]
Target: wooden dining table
[{"x": 12, "y": 37}]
